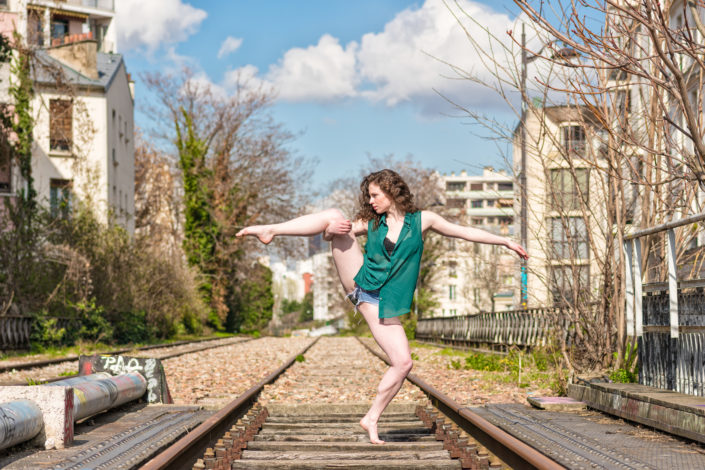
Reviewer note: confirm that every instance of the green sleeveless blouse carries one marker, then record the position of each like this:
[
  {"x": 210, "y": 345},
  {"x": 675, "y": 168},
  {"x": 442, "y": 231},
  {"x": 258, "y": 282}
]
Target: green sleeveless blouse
[{"x": 396, "y": 275}]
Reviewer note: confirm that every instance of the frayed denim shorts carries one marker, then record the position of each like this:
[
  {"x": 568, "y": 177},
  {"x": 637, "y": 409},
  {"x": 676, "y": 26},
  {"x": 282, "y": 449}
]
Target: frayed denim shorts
[{"x": 359, "y": 295}]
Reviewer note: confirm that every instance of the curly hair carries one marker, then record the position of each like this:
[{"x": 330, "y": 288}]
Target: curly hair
[{"x": 393, "y": 186}]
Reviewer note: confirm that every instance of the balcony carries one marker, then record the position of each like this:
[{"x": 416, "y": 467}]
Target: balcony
[{"x": 97, "y": 4}]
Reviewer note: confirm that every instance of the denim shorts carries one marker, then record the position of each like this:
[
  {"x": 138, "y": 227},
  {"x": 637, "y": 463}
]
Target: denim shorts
[{"x": 359, "y": 295}]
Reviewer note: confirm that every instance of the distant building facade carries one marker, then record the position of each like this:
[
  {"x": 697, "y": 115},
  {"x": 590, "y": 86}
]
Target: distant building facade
[
  {"x": 83, "y": 107},
  {"x": 473, "y": 277}
]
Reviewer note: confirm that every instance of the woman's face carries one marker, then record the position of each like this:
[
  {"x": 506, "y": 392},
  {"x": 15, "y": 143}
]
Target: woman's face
[{"x": 379, "y": 200}]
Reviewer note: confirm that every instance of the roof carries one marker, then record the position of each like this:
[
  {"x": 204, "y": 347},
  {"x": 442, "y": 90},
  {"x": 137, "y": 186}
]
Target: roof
[{"x": 107, "y": 65}]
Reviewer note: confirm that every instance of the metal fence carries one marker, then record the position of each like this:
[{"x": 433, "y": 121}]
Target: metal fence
[
  {"x": 668, "y": 319},
  {"x": 16, "y": 330},
  {"x": 523, "y": 328}
]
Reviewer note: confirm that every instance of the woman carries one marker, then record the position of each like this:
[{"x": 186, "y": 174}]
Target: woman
[{"x": 381, "y": 282}]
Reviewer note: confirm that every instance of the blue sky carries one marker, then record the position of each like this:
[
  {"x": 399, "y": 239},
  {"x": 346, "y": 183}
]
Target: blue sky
[{"x": 353, "y": 78}]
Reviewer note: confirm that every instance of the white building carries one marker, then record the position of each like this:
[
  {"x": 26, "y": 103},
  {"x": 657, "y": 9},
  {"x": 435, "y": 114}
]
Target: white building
[
  {"x": 475, "y": 277},
  {"x": 83, "y": 107}
]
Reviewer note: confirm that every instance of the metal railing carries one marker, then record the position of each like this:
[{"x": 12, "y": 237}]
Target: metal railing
[
  {"x": 668, "y": 323},
  {"x": 98, "y": 4},
  {"x": 523, "y": 328}
]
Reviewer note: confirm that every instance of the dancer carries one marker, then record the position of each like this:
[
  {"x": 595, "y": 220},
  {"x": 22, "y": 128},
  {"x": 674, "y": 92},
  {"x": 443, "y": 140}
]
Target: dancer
[{"x": 381, "y": 282}]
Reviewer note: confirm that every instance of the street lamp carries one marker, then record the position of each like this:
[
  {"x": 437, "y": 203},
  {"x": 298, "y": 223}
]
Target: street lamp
[{"x": 566, "y": 54}]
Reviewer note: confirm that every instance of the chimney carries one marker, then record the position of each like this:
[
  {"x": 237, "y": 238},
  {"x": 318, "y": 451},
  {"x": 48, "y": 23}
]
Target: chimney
[{"x": 79, "y": 55}]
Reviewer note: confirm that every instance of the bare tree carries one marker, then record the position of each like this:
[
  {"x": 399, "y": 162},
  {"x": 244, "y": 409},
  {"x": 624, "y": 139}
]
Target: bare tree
[
  {"x": 614, "y": 138},
  {"x": 245, "y": 173}
]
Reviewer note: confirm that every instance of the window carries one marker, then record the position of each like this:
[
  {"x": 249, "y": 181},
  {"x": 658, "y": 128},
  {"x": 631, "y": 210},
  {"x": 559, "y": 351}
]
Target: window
[
  {"x": 60, "y": 125},
  {"x": 451, "y": 292},
  {"x": 569, "y": 238},
  {"x": 567, "y": 188},
  {"x": 569, "y": 284},
  {"x": 573, "y": 139},
  {"x": 490, "y": 203},
  {"x": 477, "y": 204},
  {"x": 453, "y": 312},
  {"x": 477, "y": 221},
  {"x": 475, "y": 186},
  {"x": 35, "y": 27},
  {"x": 505, "y": 186},
  {"x": 455, "y": 186},
  {"x": 60, "y": 198},
  {"x": 59, "y": 28},
  {"x": 452, "y": 269},
  {"x": 506, "y": 220},
  {"x": 5, "y": 175},
  {"x": 455, "y": 203}
]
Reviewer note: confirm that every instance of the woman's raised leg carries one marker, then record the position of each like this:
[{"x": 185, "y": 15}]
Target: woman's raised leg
[
  {"x": 391, "y": 338},
  {"x": 334, "y": 227},
  {"x": 311, "y": 224}
]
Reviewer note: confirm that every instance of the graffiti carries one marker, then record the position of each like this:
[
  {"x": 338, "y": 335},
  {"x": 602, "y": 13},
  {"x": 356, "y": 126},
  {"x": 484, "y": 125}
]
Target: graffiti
[{"x": 150, "y": 368}]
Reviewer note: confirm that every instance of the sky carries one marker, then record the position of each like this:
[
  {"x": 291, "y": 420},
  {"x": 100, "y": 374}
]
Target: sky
[{"x": 352, "y": 78}]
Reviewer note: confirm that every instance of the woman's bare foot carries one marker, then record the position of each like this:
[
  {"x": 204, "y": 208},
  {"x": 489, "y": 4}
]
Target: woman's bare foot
[
  {"x": 371, "y": 429},
  {"x": 263, "y": 232}
]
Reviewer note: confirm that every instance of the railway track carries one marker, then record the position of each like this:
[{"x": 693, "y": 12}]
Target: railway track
[
  {"x": 171, "y": 350},
  {"x": 432, "y": 434},
  {"x": 305, "y": 415}
]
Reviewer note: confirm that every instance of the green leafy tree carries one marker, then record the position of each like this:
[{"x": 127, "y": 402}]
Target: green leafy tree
[{"x": 251, "y": 303}]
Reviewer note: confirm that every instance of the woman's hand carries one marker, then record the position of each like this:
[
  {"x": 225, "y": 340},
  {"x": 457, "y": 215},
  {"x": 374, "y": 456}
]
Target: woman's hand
[
  {"x": 517, "y": 248},
  {"x": 337, "y": 227}
]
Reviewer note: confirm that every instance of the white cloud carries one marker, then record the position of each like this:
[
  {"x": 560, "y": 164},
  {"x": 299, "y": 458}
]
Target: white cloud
[
  {"x": 321, "y": 72},
  {"x": 229, "y": 46},
  {"x": 155, "y": 23},
  {"x": 404, "y": 62},
  {"x": 245, "y": 78}
]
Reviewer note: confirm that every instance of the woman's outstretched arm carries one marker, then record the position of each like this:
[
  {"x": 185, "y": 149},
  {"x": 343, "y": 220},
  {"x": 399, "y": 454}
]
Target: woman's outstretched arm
[{"x": 438, "y": 224}]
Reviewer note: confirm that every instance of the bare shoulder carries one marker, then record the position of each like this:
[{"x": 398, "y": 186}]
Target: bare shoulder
[{"x": 428, "y": 219}]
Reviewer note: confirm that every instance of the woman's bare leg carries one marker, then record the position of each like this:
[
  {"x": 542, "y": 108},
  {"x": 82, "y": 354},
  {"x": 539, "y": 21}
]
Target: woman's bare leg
[
  {"x": 306, "y": 225},
  {"x": 334, "y": 227},
  {"x": 391, "y": 338}
]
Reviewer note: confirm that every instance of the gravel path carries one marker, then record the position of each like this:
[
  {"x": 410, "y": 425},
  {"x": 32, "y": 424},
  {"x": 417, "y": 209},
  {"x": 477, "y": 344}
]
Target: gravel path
[
  {"x": 38, "y": 374},
  {"x": 467, "y": 387},
  {"x": 335, "y": 370},
  {"x": 215, "y": 377}
]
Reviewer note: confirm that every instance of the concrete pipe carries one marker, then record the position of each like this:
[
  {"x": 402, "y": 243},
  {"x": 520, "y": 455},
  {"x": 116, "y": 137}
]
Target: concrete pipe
[
  {"x": 93, "y": 396},
  {"x": 20, "y": 421}
]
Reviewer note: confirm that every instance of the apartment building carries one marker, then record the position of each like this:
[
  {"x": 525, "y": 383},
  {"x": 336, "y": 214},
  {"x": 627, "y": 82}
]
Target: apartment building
[
  {"x": 83, "y": 107},
  {"x": 475, "y": 277},
  {"x": 566, "y": 194}
]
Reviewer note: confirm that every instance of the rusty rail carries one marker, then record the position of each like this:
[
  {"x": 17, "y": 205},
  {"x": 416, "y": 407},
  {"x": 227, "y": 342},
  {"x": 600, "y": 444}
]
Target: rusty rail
[
  {"x": 509, "y": 449},
  {"x": 184, "y": 453},
  {"x": 48, "y": 362}
]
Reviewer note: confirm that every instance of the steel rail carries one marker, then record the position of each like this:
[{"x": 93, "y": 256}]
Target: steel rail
[
  {"x": 506, "y": 447},
  {"x": 48, "y": 362},
  {"x": 184, "y": 452}
]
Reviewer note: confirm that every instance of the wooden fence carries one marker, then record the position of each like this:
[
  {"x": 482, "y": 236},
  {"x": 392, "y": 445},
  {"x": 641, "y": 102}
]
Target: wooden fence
[{"x": 523, "y": 328}]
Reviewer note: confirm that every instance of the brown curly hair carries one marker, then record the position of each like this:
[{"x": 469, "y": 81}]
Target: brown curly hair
[{"x": 393, "y": 186}]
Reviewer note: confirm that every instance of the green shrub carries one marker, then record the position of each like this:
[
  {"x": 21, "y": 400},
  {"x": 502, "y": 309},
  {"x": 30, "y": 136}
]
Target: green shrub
[
  {"x": 45, "y": 333},
  {"x": 92, "y": 320},
  {"x": 486, "y": 362},
  {"x": 300, "y": 358},
  {"x": 132, "y": 327},
  {"x": 624, "y": 376}
]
